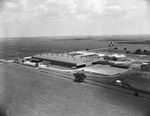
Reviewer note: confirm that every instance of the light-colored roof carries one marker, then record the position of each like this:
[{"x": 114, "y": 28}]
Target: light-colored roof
[
  {"x": 118, "y": 55},
  {"x": 82, "y": 53},
  {"x": 78, "y": 60}
]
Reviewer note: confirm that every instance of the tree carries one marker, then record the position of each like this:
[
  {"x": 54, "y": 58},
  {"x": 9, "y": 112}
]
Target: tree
[
  {"x": 138, "y": 51},
  {"x": 125, "y": 49},
  {"x": 115, "y": 48}
]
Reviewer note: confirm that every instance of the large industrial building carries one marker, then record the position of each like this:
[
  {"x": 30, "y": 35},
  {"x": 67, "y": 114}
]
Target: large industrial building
[{"x": 71, "y": 59}]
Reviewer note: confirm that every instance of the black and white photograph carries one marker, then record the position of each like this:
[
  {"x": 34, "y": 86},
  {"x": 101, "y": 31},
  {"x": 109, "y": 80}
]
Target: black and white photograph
[{"x": 74, "y": 57}]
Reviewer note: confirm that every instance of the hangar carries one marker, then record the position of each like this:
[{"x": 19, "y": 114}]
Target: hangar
[{"x": 68, "y": 59}]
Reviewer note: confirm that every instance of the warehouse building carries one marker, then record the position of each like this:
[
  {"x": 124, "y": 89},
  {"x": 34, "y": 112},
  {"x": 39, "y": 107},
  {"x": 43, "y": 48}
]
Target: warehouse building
[{"x": 68, "y": 59}]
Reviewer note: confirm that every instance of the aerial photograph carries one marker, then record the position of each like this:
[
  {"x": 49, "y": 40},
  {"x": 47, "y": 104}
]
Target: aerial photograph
[{"x": 74, "y": 57}]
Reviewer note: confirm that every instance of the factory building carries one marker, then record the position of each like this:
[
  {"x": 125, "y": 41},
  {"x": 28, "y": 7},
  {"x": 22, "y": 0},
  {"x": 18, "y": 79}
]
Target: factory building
[{"x": 68, "y": 59}]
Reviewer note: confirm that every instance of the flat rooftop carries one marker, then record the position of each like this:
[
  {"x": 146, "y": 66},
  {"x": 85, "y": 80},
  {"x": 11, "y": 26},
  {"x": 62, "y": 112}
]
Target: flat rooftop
[{"x": 65, "y": 57}]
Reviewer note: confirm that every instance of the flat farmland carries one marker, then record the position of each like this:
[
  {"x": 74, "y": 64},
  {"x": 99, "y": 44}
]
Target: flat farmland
[
  {"x": 133, "y": 47},
  {"x": 24, "y": 92},
  {"x": 11, "y": 48}
]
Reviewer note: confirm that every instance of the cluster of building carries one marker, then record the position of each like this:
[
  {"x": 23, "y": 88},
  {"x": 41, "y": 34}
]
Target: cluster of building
[
  {"x": 28, "y": 61},
  {"x": 76, "y": 59},
  {"x": 79, "y": 59},
  {"x": 71, "y": 59}
]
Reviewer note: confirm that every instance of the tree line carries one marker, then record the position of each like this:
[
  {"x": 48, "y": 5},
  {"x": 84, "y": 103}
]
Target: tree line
[{"x": 137, "y": 51}]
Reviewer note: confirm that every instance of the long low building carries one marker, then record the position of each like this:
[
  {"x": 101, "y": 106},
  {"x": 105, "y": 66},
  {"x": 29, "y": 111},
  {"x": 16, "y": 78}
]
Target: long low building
[{"x": 68, "y": 60}]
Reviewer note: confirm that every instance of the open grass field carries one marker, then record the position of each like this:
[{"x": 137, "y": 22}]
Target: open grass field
[
  {"x": 24, "y": 92},
  {"x": 138, "y": 80}
]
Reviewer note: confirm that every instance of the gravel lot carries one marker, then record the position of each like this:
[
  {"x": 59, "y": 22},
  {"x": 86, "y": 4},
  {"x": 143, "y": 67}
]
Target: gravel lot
[
  {"x": 105, "y": 69},
  {"x": 24, "y": 92}
]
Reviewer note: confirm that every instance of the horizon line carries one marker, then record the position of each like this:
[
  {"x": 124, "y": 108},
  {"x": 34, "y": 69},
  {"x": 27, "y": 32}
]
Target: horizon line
[{"x": 77, "y": 35}]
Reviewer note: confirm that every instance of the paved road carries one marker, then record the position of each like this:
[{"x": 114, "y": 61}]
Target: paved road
[{"x": 24, "y": 92}]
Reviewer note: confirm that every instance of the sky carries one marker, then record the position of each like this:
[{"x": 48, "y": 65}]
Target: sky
[{"x": 25, "y": 18}]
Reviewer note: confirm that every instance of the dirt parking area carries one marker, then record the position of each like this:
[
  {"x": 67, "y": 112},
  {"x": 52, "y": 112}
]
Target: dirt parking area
[{"x": 104, "y": 69}]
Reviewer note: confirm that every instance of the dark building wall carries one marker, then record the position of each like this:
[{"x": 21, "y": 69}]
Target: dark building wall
[
  {"x": 96, "y": 63},
  {"x": 120, "y": 65},
  {"x": 54, "y": 62},
  {"x": 66, "y": 64},
  {"x": 80, "y": 66}
]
